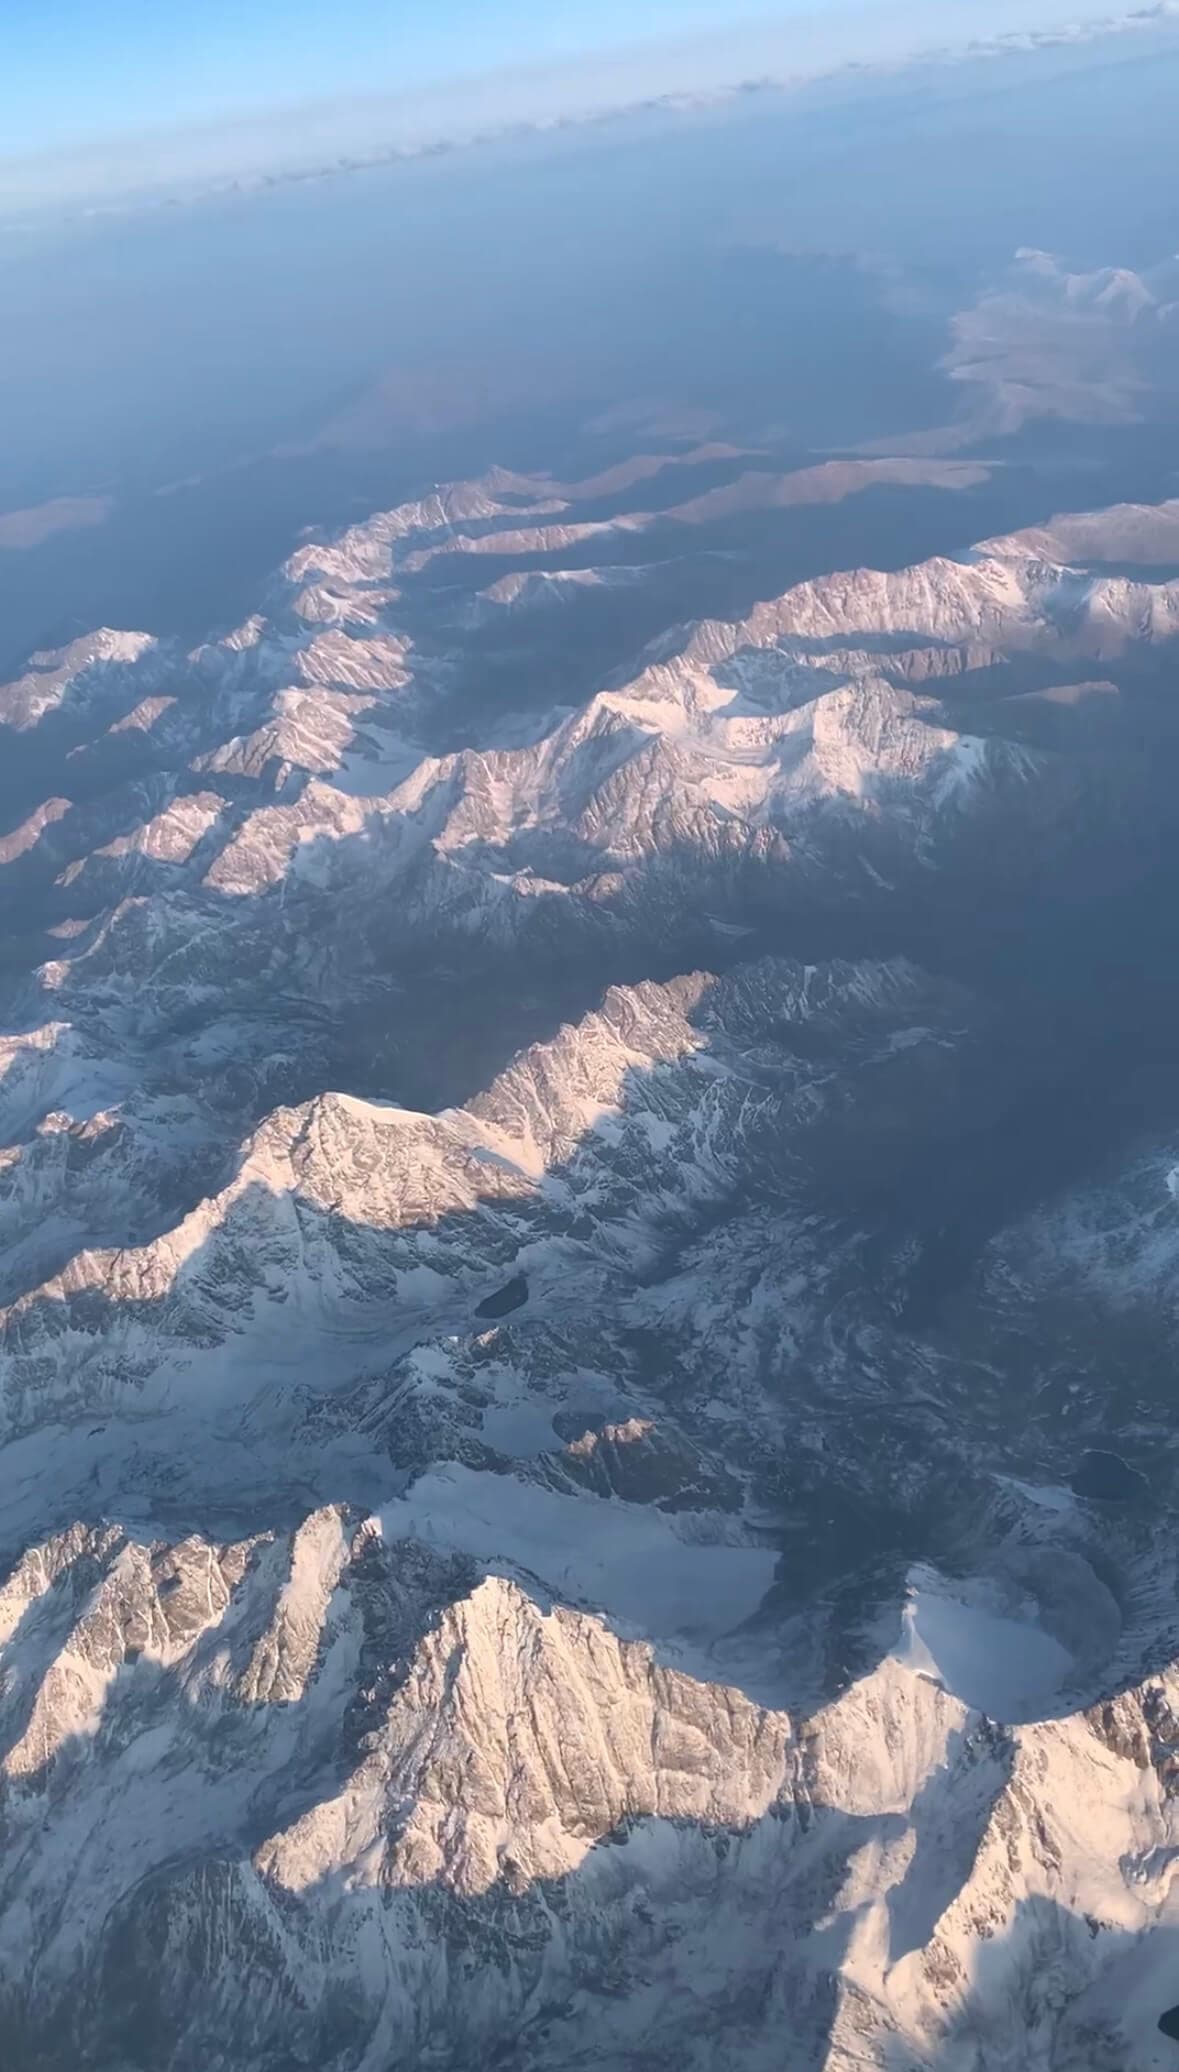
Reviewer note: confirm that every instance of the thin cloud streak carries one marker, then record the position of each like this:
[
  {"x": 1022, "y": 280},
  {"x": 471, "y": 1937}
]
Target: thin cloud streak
[{"x": 792, "y": 49}]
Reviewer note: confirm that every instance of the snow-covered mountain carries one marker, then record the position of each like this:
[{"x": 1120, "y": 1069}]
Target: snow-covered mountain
[{"x": 587, "y": 1319}]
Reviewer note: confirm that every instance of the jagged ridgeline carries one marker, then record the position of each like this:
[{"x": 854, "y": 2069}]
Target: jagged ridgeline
[{"x": 589, "y": 1233}]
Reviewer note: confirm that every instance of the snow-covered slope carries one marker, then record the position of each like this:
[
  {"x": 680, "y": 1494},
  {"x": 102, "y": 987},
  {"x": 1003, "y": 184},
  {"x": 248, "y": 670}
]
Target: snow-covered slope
[
  {"x": 808, "y": 744},
  {"x": 587, "y": 1306}
]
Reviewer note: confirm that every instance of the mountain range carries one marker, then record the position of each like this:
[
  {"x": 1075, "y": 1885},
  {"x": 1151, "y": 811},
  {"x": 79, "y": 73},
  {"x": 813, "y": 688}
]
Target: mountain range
[{"x": 590, "y": 1208}]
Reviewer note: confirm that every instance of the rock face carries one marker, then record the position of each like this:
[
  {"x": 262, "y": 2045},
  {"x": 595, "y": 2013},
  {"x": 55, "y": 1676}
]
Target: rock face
[{"x": 568, "y": 1250}]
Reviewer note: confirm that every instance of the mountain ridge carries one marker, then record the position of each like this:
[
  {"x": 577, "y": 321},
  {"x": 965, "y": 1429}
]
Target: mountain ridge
[{"x": 590, "y": 1562}]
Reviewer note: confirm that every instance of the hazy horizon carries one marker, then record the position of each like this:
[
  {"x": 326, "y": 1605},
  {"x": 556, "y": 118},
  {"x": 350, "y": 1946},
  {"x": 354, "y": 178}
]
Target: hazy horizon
[{"x": 252, "y": 107}]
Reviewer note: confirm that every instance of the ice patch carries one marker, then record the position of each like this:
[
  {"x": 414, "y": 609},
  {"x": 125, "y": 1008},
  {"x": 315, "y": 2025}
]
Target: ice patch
[
  {"x": 1048, "y": 1496},
  {"x": 620, "y": 1560},
  {"x": 1009, "y": 1668}
]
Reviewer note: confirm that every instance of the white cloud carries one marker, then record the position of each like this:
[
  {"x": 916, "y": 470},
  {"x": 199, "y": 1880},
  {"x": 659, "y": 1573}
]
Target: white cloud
[{"x": 790, "y": 47}]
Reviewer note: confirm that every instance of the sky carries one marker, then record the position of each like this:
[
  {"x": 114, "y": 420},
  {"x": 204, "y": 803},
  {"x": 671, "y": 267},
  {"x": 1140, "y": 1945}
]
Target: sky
[
  {"x": 107, "y": 93},
  {"x": 80, "y": 68}
]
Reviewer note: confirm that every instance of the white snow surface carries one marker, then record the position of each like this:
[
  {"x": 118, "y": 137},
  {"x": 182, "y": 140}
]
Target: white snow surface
[
  {"x": 1006, "y": 1667},
  {"x": 626, "y": 1562}
]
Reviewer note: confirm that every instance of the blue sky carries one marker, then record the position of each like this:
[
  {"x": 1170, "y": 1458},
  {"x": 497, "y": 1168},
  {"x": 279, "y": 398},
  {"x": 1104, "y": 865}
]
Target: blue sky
[
  {"x": 79, "y": 68},
  {"x": 109, "y": 95}
]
